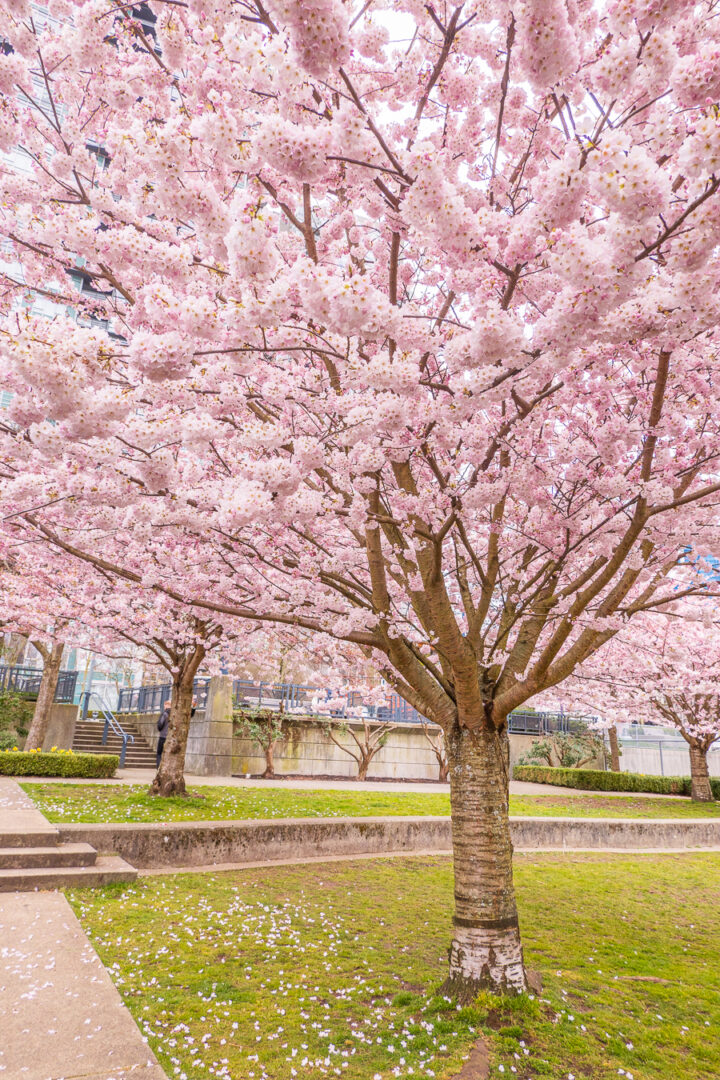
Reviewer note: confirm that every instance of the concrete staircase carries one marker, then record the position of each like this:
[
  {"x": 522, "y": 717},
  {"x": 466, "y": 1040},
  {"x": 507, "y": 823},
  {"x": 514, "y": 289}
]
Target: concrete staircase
[
  {"x": 32, "y": 856},
  {"x": 37, "y": 860},
  {"x": 88, "y": 740}
]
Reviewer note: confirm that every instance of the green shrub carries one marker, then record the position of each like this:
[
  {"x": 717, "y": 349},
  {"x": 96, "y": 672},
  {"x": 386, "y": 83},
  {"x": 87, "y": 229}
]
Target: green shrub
[
  {"x": 16, "y": 713},
  {"x": 9, "y": 739},
  {"x": 596, "y": 780},
  {"x": 57, "y": 763}
]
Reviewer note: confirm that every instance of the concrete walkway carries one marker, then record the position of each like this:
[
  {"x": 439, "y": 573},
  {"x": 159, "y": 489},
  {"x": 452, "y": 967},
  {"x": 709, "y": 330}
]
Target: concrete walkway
[
  {"x": 19, "y": 814},
  {"x": 517, "y": 787},
  {"x": 61, "y": 1017}
]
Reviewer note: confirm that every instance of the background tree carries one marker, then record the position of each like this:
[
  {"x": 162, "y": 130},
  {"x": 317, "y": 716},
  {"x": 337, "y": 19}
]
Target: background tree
[
  {"x": 410, "y": 342},
  {"x": 565, "y": 751},
  {"x": 366, "y": 745},
  {"x": 437, "y": 745},
  {"x": 267, "y": 728},
  {"x": 666, "y": 670}
]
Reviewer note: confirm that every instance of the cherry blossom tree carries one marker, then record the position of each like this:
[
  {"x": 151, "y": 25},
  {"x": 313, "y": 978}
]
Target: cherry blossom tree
[
  {"x": 393, "y": 321},
  {"x": 53, "y": 597},
  {"x": 664, "y": 668},
  {"x": 28, "y": 610}
]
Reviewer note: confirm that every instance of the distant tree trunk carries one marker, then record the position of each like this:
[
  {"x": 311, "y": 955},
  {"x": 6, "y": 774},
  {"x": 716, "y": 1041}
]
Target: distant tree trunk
[
  {"x": 170, "y": 777},
  {"x": 614, "y": 749},
  {"x": 700, "y": 790},
  {"x": 486, "y": 951},
  {"x": 437, "y": 744},
  {"x": 52, "y": 658},
  {"x": 364, "y": 765},
  {"x": 269, "y": 773}
]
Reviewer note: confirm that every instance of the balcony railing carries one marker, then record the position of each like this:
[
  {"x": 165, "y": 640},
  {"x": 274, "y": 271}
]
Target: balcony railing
[
  {"x": 151, "y": 699},
  {"x": 26, "y": 680},
  {"x": 299, "y": 697}
]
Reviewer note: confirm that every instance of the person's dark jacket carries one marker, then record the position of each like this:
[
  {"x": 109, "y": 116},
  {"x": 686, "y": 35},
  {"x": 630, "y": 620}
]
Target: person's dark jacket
[{"x": 163, "y": 723}]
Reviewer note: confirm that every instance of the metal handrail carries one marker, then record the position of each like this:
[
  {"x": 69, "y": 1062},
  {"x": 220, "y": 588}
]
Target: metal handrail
[{"x": 110, "y": 721}]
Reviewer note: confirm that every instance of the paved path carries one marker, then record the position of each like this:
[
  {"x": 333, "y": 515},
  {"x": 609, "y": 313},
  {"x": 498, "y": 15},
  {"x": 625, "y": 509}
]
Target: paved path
[
  {"x": 18, "y": 813},
  {"x": 517, "y": 787},
  {"x": 61, "y": 1017}
]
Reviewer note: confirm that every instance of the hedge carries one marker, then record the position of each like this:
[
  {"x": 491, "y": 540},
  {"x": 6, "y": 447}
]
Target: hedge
[
  {"x": 58, "y": 763},
  {"x": 597, "y": 780}
]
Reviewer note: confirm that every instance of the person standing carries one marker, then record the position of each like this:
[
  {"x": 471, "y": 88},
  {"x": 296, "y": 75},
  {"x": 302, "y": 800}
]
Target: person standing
[{"x": 162, "y": 725}]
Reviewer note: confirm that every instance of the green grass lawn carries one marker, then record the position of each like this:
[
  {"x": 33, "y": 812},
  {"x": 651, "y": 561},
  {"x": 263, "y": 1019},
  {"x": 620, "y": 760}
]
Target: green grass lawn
[
  {"x": 282, "y": 973},
  {"x": 113, "y": 803}
]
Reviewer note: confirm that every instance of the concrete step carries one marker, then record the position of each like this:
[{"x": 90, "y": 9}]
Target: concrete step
[
  {"x": 107, "y": 869},
  {"x": 30, "y": 838},
  {"x": 25, "y": 858},
  {"x": 88, "y": 747}
]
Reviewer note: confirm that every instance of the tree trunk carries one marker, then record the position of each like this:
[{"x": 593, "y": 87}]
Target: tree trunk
[
  {"x": 363, "y": 766},
  {"x": 486, "y": 951},
  {"x": 52, "y": 658},
  {"x": 614, "y": 749},
  {"x": 269, "y": 773},
  {"x": 170, "y": 777},
  {"x": 700, "y": 790}
]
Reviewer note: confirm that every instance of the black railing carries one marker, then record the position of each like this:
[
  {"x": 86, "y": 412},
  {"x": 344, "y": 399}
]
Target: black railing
[
  {"x": 293, "y": 697},
  {"x": 151, "y": 699},
  {"x": 26, "y": 680}
]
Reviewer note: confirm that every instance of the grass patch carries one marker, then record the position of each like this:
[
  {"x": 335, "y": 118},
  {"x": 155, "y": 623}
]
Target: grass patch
[
  {"x": 281, "y": 973},
  {"x": 115, "y": 803}
]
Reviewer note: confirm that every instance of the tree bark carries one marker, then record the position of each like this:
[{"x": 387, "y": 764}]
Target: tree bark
[
  {"x": 52, "y": 658},
  {"x": 614, "y": 749},
  {"x": 363, "y": 766},
  {"x": 486, "y": 951},
  {"x": 700, "y": 790},
  {"x": 170, "y": 777},
  {"x": 269, "y": 761}
]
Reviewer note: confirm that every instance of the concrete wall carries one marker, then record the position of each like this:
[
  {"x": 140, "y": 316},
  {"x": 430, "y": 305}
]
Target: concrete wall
[
  {"x": 208, "y": 843},
  {"x": 405, "y": 756},
  {"x": 61, "y": 728},
  {"x": 311, "y": 752}
]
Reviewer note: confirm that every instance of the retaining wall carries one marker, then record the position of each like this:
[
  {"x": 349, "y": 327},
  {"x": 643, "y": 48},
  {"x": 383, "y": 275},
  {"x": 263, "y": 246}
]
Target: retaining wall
[
  {"x": 205, "y": 843},
  {"x": 61, "y": 727},
  {"x": 406, "y": 754}
]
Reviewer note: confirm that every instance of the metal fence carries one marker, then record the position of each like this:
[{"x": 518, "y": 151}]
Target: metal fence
[
  {"x": 545, "y": 723},
  {"x": 26, "y": 680},
  {"x": 150, "y": 699},
  {"x": 296, "y": 697}
]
